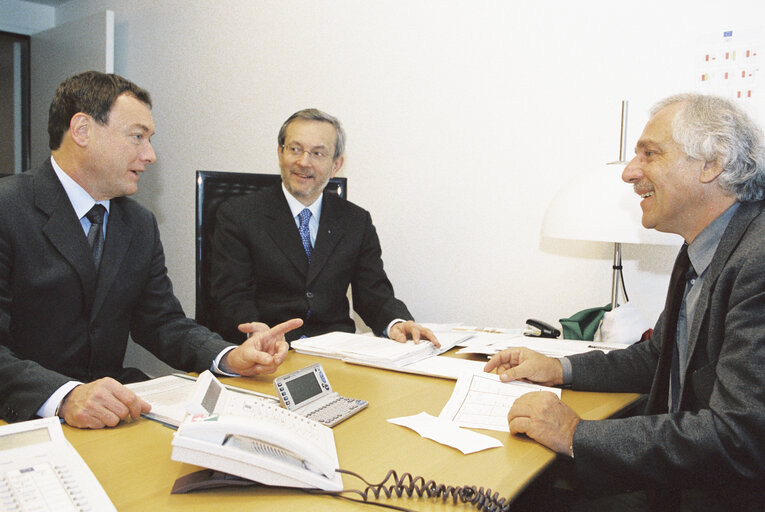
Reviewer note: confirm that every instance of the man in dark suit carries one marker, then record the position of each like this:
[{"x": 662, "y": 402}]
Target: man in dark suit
[
  {"x": 291, "y": 251},
  {"x": 700, "y": 171},
  {"x": 75, "y": 284}
]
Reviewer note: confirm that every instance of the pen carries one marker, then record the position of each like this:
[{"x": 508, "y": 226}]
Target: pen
[{"x": 605, "y": 347}]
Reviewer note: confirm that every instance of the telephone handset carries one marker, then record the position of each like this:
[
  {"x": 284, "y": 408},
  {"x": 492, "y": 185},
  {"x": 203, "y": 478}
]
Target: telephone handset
[{"x": 270, "y": 445}]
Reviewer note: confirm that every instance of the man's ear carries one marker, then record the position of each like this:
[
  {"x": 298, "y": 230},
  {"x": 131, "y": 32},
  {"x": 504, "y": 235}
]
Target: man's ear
[
  {"x": 337, "y": 165},
  {"x": 711, "y": 171},
  {"x": 79, "y": 128}
]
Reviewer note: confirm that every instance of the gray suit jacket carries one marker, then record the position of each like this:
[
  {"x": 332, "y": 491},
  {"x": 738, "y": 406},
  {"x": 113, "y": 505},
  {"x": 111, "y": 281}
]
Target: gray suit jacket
[
  {"x": 59, "y": 319},
  {"x": 260, "y": 270},
  {"x": 716, "y": 442}
]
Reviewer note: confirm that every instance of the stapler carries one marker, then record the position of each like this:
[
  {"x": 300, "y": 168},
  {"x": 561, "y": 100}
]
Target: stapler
[{"x": 540, "y": 329}]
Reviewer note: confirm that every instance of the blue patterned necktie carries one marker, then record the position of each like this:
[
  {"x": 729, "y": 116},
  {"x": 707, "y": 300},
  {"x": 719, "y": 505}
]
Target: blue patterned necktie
[
  {"x": 96, "y": 232},
  {"x": 305, "y": 234}
]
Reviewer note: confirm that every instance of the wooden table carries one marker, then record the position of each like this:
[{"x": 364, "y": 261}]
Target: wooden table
[{"x": 132, "y": 461}]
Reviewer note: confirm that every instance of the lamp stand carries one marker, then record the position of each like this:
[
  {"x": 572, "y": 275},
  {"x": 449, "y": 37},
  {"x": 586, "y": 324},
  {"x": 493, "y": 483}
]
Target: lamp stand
[{"x": 617, "y": 280}]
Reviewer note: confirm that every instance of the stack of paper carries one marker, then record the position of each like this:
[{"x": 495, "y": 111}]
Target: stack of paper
[
  {"x": 369, "y": 349},
  {"x": 169, "y": 396}
]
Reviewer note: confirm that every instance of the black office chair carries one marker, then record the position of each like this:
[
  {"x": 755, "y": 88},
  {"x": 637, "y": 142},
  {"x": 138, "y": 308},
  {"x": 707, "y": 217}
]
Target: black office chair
[{"x": 214, "y": 187}]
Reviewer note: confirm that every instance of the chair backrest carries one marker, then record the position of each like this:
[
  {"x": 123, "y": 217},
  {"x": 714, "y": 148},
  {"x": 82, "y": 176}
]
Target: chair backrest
[{"x": 214, "y": 187}]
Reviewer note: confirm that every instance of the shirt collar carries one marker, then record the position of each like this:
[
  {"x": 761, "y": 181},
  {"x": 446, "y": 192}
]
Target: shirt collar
[
  {"x": 296, "y": 206},
  {"x": 702, "y": 249},
  {"x": 78, "y": 196}
]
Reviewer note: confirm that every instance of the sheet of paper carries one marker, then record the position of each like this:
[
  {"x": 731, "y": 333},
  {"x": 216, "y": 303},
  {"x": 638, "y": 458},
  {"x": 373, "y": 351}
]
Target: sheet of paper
[
  {"x": 330, "y": 344},
  {"x": 371, "y": 349},
  {"x": 490, "y": 345},
  {"x": 481, "y": 400},
  {"x": 442, "y": 366},
  {"x": 169, "y": 395},
  {"x": 433, "y": 366},
  {"x": 447, "y": 433},
  {"x": 472, "y": 332}
]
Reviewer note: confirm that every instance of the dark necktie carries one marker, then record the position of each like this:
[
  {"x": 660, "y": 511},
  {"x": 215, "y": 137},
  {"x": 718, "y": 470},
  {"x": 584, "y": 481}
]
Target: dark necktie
[
  {"x": 96, "y": 232},
  {"x": 305, "y": 233},
  {"x": 675, "y": 384},
  {"x": 660, "y": 397}
]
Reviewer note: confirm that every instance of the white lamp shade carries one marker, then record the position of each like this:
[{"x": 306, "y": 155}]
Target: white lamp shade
[{"x": 599, "y": 206}]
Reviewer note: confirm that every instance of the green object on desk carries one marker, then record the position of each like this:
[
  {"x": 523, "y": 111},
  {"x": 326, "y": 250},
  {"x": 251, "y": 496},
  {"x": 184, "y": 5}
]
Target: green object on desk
[{"x": 584, "y": 324}]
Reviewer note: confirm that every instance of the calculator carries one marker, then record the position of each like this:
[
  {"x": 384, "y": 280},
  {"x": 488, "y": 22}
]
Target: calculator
[{"x": 307, "y": 392}]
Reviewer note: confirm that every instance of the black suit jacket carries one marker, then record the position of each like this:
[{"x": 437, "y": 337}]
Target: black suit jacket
[
  {"x": 260, "y": 270},
  {"x": 59, "y": 319}
]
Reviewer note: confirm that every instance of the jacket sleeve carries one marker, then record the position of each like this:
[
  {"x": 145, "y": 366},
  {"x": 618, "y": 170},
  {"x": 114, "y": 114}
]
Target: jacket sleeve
[
  {"x": 373, "y": 296},
  {"x": 233, "y": 284},
  {"x": 24, "y": 384},
  {"x": 159, "y": 323},
  {"x": 716, "y": 437}
]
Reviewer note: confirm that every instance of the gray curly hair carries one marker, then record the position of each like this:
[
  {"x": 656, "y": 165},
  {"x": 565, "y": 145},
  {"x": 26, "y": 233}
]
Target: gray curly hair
[{"x": 710, "y": 128}]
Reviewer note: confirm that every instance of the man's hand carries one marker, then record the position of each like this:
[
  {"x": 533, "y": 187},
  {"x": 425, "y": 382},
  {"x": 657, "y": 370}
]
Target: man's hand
[
  {"x": 263, "y": 351},
  {"x": 544, "y": 418},
  {"x": 525, "y": 364},
  {"x": 251, "y": 328},
  {"x": 102, "y": 403},
  {"x": 402, "y": 331}
]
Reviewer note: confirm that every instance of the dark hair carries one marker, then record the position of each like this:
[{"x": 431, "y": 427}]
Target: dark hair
[
  {"x": 313, "y": 114},
  {"x": 92, "y": 93}
]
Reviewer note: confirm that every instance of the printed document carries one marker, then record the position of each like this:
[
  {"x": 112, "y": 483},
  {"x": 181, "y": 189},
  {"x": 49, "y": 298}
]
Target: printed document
[
  {"x": 370, "y": 349},
  {"x": 169, "y": 395},
  {"x": 481, "y": 400}
]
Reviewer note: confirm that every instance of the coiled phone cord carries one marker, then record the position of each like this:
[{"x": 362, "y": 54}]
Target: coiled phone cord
[{"x": 407, "y": 484}]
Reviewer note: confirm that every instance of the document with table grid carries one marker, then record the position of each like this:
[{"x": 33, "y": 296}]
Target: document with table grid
[{"x": 481, "y": 400}]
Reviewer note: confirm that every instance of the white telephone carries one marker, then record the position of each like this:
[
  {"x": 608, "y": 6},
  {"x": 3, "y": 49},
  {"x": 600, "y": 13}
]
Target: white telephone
[{"x": 266, "y": 444}]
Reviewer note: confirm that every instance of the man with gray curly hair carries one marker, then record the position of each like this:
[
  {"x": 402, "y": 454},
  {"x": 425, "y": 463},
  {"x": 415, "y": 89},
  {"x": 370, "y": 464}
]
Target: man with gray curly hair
[{"x": 700, "y": 171}]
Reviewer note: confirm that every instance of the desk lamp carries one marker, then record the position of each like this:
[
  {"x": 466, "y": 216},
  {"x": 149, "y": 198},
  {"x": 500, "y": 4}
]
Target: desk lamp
[{"x": 598, "y": 206}]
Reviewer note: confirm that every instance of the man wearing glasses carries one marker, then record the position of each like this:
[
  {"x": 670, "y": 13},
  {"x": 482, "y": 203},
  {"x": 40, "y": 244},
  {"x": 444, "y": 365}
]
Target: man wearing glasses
[{"x": 291, "y": 250}]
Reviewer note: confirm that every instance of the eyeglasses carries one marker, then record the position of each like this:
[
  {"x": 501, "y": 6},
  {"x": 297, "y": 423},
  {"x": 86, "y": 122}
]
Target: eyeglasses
[{"x": 295, "y": 151}]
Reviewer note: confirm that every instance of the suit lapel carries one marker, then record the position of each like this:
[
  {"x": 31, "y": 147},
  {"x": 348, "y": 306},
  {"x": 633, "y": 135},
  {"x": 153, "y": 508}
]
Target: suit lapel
[
  {"x": 281, "y": 228},
  {"x": 659, "y": 395},
  {"x": 330, "y": 232},
  {"x": 119, "y": 234},
  {"x": 64, "y": 230},
  {"x": 731, "y": 237}
]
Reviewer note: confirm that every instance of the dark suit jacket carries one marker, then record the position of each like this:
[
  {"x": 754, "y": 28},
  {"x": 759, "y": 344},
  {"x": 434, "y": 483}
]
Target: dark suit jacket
[
  {"x": 260, "y": 270},
  {"x": 715, "y": 443},
  {"x": 59, "y": 320}
]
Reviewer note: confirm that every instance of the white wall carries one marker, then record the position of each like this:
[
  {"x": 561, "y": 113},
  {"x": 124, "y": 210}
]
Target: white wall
[{"x": 463, "y": 119}]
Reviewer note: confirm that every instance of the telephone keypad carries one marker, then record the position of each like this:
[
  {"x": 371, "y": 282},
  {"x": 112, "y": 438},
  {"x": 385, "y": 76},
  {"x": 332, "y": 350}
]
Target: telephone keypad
[{"x": 335, "y": 411}]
